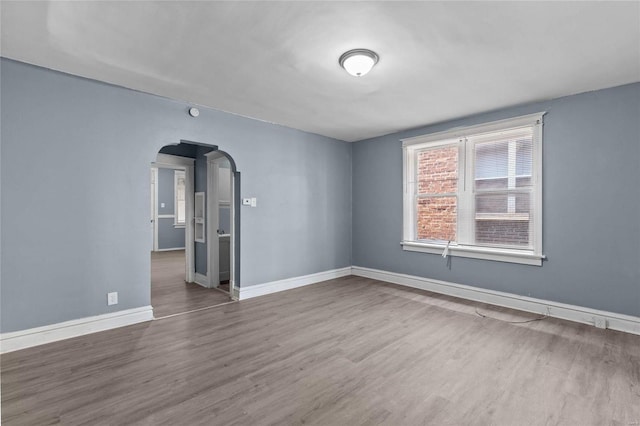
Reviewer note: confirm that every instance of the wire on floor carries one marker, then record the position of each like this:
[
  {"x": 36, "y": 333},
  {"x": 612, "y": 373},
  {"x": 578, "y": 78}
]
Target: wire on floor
[{"x": 480, "y": 314}]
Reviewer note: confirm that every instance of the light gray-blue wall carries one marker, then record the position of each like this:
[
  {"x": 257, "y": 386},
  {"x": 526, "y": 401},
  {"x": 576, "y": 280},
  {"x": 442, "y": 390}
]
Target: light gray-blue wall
[
  {"x": 224, "y": 213},
  {"x": 165, "y": 191},
  {"x": 66, "y": 135},
  {"x": 169, "y": 236},
  {"x": 75, "y": 194},
  {"x": 591, "y": 200}
]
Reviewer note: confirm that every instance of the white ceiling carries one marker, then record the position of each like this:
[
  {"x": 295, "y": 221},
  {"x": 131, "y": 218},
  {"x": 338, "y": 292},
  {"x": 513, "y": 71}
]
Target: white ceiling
[{"x": 278, "y": 61}]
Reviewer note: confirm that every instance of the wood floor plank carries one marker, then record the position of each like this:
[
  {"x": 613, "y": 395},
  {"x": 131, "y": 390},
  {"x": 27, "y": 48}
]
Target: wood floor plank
[
  {"x": 350, "y": 351},
  {"x": 170, "y": 294}
]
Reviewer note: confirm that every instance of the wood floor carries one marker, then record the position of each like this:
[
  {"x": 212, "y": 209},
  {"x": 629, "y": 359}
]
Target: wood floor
[
  {"x": 170, "y": 294},
  {"x": 350, "y": 351}
]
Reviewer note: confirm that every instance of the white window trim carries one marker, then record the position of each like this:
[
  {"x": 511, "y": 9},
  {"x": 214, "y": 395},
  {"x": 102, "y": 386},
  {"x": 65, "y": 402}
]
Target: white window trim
[
  {"x": 410, "y": 145},
  {"x": 177, "y": 224},
  {"x": 174, "y": 162}
]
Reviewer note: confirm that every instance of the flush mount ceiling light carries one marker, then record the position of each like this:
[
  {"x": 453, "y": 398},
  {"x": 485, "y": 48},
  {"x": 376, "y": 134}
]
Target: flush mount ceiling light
[{"x": 358, "y": 62}]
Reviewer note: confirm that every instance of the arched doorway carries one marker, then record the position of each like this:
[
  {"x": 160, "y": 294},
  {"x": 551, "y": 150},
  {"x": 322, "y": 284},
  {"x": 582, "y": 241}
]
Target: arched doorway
[{"x": 194, "y": 200}]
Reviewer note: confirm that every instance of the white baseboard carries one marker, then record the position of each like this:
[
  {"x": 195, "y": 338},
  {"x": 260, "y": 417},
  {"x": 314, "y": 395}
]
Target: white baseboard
[
  {"x": 171, "y": 249},
  {"x": 289, "y": 283},
  {"x": 23, "y": 339},
  {"x": 201, "y": 280},
  {"x": 614, "y": 321}
]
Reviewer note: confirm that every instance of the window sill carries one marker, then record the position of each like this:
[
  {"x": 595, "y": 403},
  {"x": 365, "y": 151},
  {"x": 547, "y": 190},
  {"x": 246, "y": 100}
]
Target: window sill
[
  {"x": 486, "y": 253},
  {"x": 179, "y": 225}
]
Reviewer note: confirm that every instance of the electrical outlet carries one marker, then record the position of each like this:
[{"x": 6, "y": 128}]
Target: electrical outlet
[
  {"x": 112, "y": 298},
  {"x": 600, "y": 322}
]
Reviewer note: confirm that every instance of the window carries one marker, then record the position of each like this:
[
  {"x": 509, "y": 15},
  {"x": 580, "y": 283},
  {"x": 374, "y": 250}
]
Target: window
[
  {"x": 476, "y": 191},
  {"x": 180, "y": 201}
]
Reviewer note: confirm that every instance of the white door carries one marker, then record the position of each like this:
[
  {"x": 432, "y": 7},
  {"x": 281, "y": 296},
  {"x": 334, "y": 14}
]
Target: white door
[
  {"x": 219, "y": 194},
  {"x": 213, "y": 219}
]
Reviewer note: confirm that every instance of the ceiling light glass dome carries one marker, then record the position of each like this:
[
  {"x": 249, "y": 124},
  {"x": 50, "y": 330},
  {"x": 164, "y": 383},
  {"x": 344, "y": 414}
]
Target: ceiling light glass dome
[{"x": 358, "y": 62}]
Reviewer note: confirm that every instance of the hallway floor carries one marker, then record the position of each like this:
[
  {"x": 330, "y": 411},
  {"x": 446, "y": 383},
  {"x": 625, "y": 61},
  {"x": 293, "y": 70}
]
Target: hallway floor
[{"x": 170, "y": 294}]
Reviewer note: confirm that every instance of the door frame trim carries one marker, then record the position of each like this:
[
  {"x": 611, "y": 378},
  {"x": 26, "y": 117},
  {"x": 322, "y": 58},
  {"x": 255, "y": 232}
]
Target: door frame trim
[
  {"x": 166, "y": 161},
  {"x": 154, "y": 207}
]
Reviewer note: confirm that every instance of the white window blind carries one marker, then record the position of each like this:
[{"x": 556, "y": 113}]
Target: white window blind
[{"x": 503, "y": 188}]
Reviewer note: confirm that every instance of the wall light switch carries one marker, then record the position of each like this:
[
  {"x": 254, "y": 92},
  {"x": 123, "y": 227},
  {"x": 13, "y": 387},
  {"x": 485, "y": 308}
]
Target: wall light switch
[
  {"x": 162, "y": 205},
  {"x": 112, "y": 298},
  {"x": 246, "y": 201},
  {"x": 254, "y": 202}
]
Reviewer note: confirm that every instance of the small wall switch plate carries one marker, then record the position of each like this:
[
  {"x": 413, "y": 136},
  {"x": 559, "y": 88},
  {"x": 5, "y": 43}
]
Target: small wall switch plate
[
  {"x": 162, "y": 205},
  {"x": 254, "y": 202},
  {"x": 600, "y": 322},
  {"x": 112, "y": 298},
  {"x": 246, "y": 201}
]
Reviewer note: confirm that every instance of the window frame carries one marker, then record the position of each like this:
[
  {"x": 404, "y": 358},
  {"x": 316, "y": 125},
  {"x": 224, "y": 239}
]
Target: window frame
[
  {"x": 176, "y": 173},
  {"x": 466, "y": 167}
]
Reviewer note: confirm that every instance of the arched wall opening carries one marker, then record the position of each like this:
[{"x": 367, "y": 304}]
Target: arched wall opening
[{"x": 203, "y": 210}]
